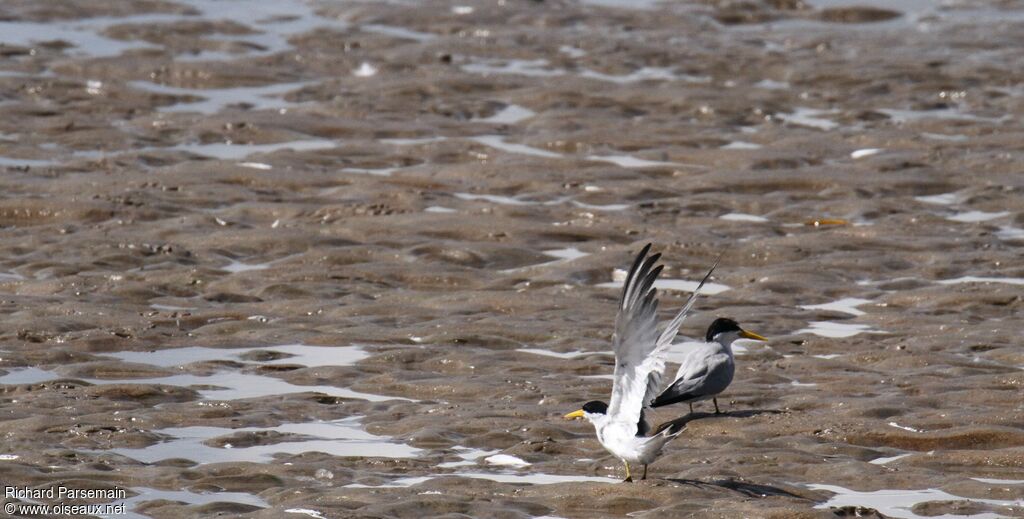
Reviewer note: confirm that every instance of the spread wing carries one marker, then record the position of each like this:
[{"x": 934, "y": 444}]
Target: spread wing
[
  {"x": 635, "y": 337},
  {"x": 639, "y": 348},
  {"x": 666, "y": 337}
]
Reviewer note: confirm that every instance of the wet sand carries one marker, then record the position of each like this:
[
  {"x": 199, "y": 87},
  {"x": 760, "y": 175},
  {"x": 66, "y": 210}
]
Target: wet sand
[{"x": 357, "y": 259}]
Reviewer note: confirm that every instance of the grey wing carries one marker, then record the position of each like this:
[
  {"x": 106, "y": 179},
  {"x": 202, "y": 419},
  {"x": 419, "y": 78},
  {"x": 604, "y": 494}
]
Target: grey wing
[
  {"x": 635, "y": 337},
  {"x": 711, "y": 379},
  {"x": 668, "y": 334}
]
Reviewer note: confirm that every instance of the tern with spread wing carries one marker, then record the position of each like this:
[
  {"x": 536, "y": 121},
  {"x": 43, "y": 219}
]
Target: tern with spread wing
[{"x": 639, "y": 362}]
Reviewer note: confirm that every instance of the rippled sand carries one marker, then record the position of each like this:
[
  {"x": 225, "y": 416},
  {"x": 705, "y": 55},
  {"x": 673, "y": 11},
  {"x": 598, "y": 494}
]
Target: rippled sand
[{"x": 331, "y": 259}]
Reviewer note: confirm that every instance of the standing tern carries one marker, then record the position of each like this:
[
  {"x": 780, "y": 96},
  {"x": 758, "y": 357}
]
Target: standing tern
[
  {"x": 639, "y": 363},
  {"x": 707, "y": 369}
]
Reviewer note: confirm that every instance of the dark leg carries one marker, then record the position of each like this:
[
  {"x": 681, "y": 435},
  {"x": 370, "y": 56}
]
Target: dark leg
[
  {"x": 715, "y": 400},
  {"x": 645, "y": 472},
  {"x": 691, "y": 407}
]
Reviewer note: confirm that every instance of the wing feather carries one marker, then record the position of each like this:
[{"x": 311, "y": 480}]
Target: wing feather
[
  {"x": 634, "y": 338},
  {"x": 656, "y": 358},
  {"x": 639, "y": 348}
]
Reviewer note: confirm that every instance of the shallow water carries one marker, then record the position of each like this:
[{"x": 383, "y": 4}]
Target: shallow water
[
  {"x": 457, "y": 189},
  {"x": 342, "y": 438},
  {"x": 899, "y": 503}
]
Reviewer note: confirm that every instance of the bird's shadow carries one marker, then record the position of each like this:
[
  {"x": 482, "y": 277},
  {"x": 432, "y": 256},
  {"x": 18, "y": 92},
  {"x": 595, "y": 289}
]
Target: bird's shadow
[
  {"x": 681, "y": 422},
  {"x": 747, "y": 489}
]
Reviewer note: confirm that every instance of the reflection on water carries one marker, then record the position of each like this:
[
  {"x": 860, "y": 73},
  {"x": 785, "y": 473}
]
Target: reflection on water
[
  {"x": 145, "y": 494},
  {"x": 742, "y": 217},
  {"x": 213, "y": 100},
  {"x": 835, "y": 330},
  {"x": 943, "y": 199},
  {"x": 510, "y": 114},
  {"x": 309, "y": 356},
  {"x": 846, "y": 305},
  {"x": 900, "y": 503},
  {"x": 681, "y": 285},
  {"x": 224, "y": 385},
  {"x": 342, "y": 438},
  {"x": 498, "y": 142},
  {"x": 977, "y": 216},
  {"x": 887, "y": 459}
]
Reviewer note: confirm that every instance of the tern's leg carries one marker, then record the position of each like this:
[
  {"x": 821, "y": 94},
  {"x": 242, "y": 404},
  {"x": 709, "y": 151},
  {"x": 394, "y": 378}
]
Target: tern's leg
[
  {"x": 715, "y": 400},
  {"x": 645, "y": 471},
  {"x": 629, "y": 478},
  {"x": 691, "y": 407}
]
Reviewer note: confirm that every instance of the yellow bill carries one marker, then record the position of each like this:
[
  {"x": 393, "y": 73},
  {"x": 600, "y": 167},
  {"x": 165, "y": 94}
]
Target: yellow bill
[
  {"x": 751, "y": 335},
  {"x": 574, "y": 415}
]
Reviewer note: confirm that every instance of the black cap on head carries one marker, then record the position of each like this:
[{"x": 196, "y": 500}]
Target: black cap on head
[
  {"x": 721, "y": 325},
  {"x": 595, "y": 407}
]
